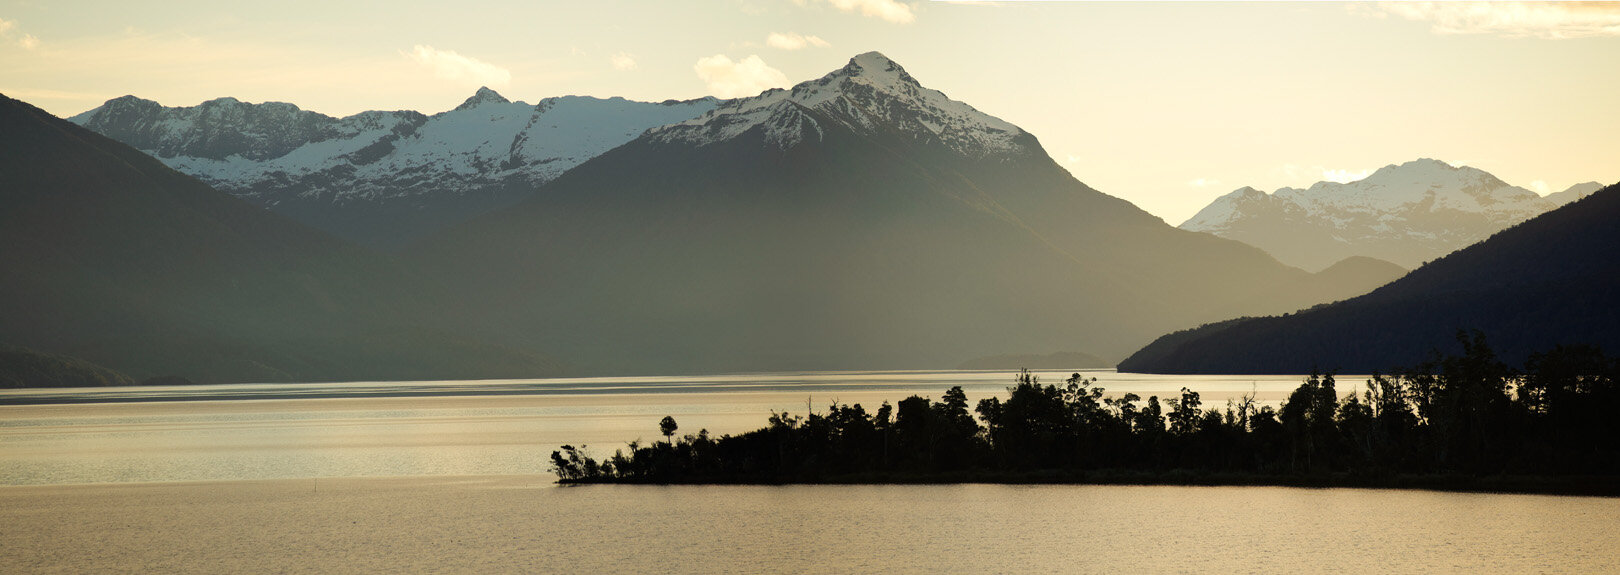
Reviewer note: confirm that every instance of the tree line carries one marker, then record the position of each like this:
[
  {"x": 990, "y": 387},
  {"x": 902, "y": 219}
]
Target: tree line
[{"x": 1459, "y": 414}]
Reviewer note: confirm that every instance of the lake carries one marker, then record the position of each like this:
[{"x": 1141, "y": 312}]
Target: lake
[
  {"x": 450, "y": 476},
  {"x": 499, "y": 427}
]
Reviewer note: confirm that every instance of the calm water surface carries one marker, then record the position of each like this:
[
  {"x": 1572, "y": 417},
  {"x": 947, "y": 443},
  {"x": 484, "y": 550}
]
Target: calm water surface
[
  {"x": 498, "y": 427},
  {"x": 1093, "y": 529},
  {"x": 81, "y": 473},
  {"x": 518, "y": 525}
]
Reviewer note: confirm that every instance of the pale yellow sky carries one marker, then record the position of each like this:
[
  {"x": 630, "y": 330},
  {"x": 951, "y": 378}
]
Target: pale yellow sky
[{"x": 1167, "y": 105}]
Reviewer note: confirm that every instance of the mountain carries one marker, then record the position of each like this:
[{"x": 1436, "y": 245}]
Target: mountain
[
  {"x": 1573, "y": 193},
  {"x": 22, "y": 367},
  {"x": 382, "y": 178},
  {"x": 1371, "y": 272},
  {"x": 1548, "y": 281},
  {"x": 855, "y": 221},
  {"x": 110, "y": 256},
  {"x": 1406, "y": 214}
]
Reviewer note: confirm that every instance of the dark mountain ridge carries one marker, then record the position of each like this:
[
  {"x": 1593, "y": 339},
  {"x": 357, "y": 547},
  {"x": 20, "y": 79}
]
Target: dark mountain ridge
[
  {"x": 110, "y": 256},
  {"x": 856, "y": 221},
  {"x": 1548, "y": 281}
]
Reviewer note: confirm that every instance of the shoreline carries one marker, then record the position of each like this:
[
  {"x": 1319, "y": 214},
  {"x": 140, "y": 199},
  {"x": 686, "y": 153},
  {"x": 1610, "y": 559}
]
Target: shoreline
[{"x": 1573, "y": 485}]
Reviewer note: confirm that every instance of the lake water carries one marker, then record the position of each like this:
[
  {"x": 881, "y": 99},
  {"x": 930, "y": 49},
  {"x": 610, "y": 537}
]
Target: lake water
[
  {"x": 520, "y": 525},
  {"x": 501, "y": 427},
  {"x": 449, "y": 476}
]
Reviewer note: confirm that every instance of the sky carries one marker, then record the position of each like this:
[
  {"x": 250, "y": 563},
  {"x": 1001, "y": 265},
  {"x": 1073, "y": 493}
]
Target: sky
[{"x": 1168, "y": 105}]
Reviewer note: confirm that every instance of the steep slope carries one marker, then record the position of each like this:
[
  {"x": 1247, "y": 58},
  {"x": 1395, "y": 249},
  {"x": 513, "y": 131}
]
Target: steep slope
[
  {"x": 1548, "y": 281},
  {"x": 110, "y": 256},
  {"x": 855, "y": 221},
  {"x": 1573, "y": 193},
  {"x": 382, "y": 178},
  {"x": 22, "y": 367},
  {"x": 1406, "y": 214}
]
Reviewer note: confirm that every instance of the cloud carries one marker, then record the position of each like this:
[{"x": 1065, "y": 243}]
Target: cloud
[
  {"x": 890, "y": 10},
  {"x": 1203, "y": 183},
  {"x": 748, "y": 77},
  {"x": 1540, "y": 187},
  {"x": 623, "y": 61},
  {"x": 793, "y": 41},
  {"x": 27, "y": 41},
  {"x": 1549, "y": 20},
  {"x": 449, "y": 65}
]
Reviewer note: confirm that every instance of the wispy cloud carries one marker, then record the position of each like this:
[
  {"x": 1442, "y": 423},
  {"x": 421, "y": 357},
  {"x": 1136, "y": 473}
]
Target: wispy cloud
[
  {"x": 1541, "y": 187},
  {"x": 1550, "y": 20},
  {"x": 794, "y": 41},
  {"x": 449, "y": 65},
  {"x": 26, "y": 42},
  {"x": 623, "y": 61},
  {"x": 890, "y": 10},
  {"x": 746, "y": 77}
]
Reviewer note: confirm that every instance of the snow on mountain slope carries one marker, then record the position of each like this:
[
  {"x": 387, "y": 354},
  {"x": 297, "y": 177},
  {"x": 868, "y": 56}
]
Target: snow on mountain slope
[
  {"x": 486, "y": 151},
  {"x": 870, "y": 92},
  {"x": 1407, "y": 214},
  {"x": 1573, "y": 193}
]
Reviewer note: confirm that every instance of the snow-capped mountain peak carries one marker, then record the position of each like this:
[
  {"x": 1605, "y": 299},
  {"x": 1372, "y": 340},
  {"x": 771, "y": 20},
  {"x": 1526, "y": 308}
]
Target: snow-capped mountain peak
[
  {"x": 1406, "y": 213},
  {"x": 485, "y": 153},
  {"x": 1393, "y": 185},
  {"x": 1573, "y": 193},
  {"x": 484, "y": 95},
  {"x": 869, "y": 94},
  {"x": 1433, "y": 184},
  {"x": 878, "y": 70}
]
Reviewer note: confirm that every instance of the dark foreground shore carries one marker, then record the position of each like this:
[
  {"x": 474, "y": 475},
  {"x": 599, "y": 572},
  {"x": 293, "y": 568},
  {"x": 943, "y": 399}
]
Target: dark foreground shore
[{"x": 1585, "y": 485}]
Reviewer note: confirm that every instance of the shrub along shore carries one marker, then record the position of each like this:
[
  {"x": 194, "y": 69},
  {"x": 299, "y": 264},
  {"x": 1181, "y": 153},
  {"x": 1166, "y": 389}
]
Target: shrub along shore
[{"x": 1455, "y": 422}]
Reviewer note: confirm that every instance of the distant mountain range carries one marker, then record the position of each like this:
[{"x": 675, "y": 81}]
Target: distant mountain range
[
  {"x": 110, "y": 256},
  {"x": 1551, "y": 280},
  {"x": 382, "y": 178},
  {"x": 1407, "y": 214},
  {"x": 855, "y": 221}
]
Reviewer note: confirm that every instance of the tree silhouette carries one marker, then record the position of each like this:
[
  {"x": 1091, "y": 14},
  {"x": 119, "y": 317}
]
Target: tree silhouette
[
  {"x": 1464, "y": 416},
  {"x": 668, "y": 427}
]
